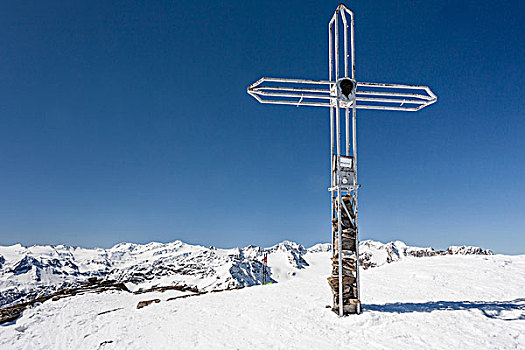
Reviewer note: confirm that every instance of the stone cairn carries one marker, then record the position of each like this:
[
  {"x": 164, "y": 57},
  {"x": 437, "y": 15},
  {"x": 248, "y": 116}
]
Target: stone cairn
[{"x": 351, "y": 303}]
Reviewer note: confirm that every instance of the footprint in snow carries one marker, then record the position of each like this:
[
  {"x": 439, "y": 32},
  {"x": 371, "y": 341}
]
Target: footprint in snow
[{"x": 21, "y": 329}]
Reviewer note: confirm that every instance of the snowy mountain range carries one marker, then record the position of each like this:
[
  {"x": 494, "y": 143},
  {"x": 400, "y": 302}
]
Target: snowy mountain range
[
  {"x": 443, "y": 302},
  {"x": 30, "y": 272}
]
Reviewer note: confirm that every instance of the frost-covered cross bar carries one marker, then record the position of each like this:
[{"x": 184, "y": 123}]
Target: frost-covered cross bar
[{"x": 341, "y": 93}]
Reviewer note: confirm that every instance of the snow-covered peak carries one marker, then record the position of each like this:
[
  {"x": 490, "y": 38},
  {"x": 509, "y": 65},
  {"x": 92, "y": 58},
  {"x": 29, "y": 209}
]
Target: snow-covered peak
[
  {"x": 373, "y": 253},
  {"x": 286, "y": 246},
  {"x": 320, "y": 248},
  {"x": 468, "y": 250}
]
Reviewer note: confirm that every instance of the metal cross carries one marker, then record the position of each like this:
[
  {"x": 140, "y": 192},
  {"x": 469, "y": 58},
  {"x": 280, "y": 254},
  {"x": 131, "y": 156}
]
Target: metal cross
[{"x": 342, "y": 92}]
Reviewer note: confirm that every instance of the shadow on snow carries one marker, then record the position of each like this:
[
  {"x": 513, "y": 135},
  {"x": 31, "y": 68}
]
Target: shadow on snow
[{"x": 502, "y": 310}]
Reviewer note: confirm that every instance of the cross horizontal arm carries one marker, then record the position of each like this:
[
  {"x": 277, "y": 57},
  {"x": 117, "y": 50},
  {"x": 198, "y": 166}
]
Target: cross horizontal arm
[{"x": 321, "y": 93}]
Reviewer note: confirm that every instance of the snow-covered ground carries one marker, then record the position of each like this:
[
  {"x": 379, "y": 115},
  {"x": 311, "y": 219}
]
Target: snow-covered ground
[{"x": 440, "y": 302}]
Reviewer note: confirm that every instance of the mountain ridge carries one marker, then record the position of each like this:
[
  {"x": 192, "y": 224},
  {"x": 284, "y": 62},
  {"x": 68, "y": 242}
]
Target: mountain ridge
[{"x": 30, "y": 272}]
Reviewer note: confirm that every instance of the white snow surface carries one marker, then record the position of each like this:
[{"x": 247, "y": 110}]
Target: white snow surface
[{"x": 439, "y": 302}]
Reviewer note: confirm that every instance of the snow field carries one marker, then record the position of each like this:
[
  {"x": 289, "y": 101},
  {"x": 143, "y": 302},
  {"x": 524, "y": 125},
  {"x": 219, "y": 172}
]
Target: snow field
[{"x": 442, "y": 302}]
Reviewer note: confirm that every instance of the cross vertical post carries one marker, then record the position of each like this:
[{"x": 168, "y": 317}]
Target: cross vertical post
[
  {"x": 342, "y": 94},
  {"x": 344, "y": 279}
]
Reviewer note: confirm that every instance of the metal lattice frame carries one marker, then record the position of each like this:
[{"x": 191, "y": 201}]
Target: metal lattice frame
[
  {"x": 390, "y": 97},
  {"x": 324, "y": 93}
]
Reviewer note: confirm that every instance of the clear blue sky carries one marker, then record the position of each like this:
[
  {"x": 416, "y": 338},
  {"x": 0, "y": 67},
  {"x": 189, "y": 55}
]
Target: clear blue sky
[{"x": 129, "y": 121}]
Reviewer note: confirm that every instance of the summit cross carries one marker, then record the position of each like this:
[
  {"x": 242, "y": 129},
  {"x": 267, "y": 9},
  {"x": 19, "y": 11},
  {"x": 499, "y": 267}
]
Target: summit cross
[{"x": 342, "y": 94}]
